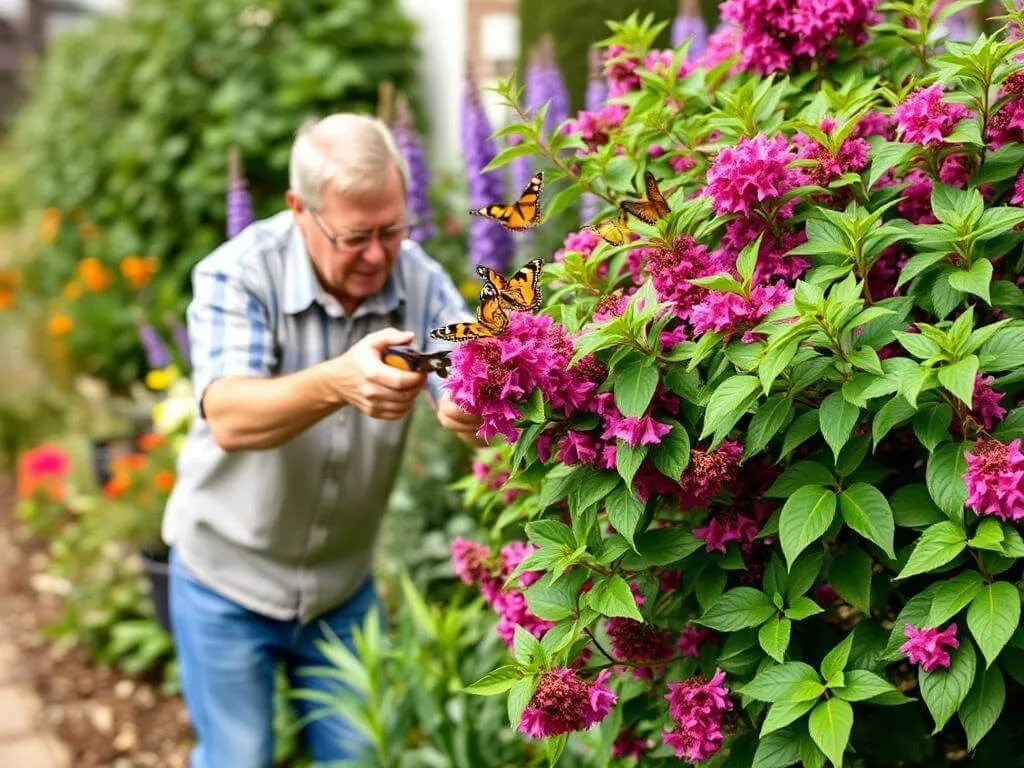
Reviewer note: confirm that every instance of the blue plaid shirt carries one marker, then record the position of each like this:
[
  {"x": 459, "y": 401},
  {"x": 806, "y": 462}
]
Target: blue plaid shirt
[{"x": 289, "y": 532}]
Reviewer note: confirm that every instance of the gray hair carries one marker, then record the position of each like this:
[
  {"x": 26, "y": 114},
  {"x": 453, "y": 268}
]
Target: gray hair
[{"x": 351, "y": 153}]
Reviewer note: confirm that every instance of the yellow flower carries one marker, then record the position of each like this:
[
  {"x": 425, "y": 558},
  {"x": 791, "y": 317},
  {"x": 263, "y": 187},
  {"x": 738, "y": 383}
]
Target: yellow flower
[
  {"x": 139, "y": 271},
  {"x": 94, "y": 275},
  {"x": 470, "y": 289},
  {"x": 49, "y": 225},
  {"x": 72, "y": 291},
  {"x": 88, "y": 231},
  {"x": 161, "y": 379},
  {"x": 61, "y": 324}
]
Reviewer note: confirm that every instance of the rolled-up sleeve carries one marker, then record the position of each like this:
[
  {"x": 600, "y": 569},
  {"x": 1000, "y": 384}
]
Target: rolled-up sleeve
[{"x": 229, "y": 329}]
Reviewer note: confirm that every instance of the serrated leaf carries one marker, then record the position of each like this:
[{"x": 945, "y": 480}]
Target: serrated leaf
[
  {"x": 862, "y": 685},
  {"x": 835, "y": 660},
  {"x": 777, "y": 750},
  {"x": 634, "y": 387},
  {"x": 738, "y": 608},
  {"x": 945, "y": 479},
  {"x": 774, "y": 637},
  {"x": 728, "y": 403},
  {"x": 779, "y": 683},
  {"x": 959, "y": 377},
  {"x": 611, "y": 596},
  {"x": 518, "y": 698},
  {"x": 943, "y": 690},
  {"x": 625, "y": 512},
  {"x": 983, "y": 705},
  {"x": 805, "y": 517},
  {"x": 993, "y": 617},
  {"x": 628, "y": 459},
  {"x": 782, "y": 713},
  {"x": 939, "y": 544},
  {"x": 498, "y": 681},
  {"x": 837, "y": 419},
  {"x": 977, "y": 280},
  {"x": 829, "y": 725},
  {"x": 952, "y": 596},
  {"x": 866, "y": 511},
  {"x": 672, "y": 455}
]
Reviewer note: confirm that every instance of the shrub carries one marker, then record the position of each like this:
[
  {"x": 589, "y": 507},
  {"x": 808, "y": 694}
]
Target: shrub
[{"x": 766, "y": 452}]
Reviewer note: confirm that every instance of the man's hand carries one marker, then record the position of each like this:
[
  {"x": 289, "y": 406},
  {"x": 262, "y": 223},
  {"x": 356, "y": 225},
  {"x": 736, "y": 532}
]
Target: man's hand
[
  {"x": 362, "y": 380},
  {"x": 463, "y": 424}
]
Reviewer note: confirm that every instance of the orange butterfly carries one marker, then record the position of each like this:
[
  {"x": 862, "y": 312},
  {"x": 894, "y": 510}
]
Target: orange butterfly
[
  {"x": 491, "y": 320},
  {"x": 653, "y": 208},
  {"x": 418, "y": 362},
  {"x": 523, "y": 213},
  {"x": 520, "y": 292}
]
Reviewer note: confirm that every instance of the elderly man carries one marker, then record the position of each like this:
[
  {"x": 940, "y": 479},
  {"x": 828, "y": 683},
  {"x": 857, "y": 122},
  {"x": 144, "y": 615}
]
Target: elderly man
[{"x": 286, "y": 472}]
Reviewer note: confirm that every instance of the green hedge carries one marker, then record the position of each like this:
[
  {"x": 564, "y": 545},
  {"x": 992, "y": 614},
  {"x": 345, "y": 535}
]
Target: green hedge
[
  {"x": 575, "y": 24},
  {"x": 130, "y": 120}
]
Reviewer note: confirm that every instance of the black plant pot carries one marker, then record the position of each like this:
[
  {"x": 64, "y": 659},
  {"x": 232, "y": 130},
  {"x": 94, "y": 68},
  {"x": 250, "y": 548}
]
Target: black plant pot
[{"x": 154, "y": 562}]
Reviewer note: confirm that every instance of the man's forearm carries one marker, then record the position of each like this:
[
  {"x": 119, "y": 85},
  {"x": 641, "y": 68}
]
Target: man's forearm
[{"x": 255, "y": 413}]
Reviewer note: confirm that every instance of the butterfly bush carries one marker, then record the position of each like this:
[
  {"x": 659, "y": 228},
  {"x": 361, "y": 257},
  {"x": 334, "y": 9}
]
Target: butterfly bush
[{"x": 756, "y": 482}]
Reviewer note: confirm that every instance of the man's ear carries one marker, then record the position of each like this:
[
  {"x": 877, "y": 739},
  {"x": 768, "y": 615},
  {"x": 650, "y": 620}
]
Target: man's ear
[{"x": 294, "y": 202}]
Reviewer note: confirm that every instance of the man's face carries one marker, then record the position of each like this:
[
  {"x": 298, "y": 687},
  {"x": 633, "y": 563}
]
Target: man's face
[{"x": 358, "y": 263}]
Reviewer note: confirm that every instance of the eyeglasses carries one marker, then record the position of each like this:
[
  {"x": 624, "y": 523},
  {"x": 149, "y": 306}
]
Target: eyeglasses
[{"x": 358, "y": 241}]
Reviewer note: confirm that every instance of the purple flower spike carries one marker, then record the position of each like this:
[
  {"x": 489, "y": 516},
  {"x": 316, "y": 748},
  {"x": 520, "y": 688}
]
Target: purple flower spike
[
  {"x": 409, "y": 144},
  {"x": 240, "y": 214}
]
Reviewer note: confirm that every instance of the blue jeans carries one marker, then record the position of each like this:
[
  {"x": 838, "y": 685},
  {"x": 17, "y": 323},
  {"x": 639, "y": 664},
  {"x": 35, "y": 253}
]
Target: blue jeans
[{"x": 229, "y": 655}]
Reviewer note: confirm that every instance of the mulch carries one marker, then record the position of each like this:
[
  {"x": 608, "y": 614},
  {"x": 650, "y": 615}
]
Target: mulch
[{"x": 105, "y": 718}]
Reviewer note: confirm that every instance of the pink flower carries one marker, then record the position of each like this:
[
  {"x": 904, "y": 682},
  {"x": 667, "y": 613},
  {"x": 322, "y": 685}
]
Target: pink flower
[
  {"x": 916, "y": 205},
  {"x": 672, "y": 269},
  {"x": 564, "y": 703},
  {"x": 924, "y": 118},
  {"x": 929, "y": 647},
  {"x": 628, "y": 744},
  {"x": 852, "y": 155},
  {"x": 44, "y": 468},
  {"x": 995, "y": 479},
  {"x": 721, "y": 530},
  {"x": 636, "y": 641},
  {"x": 731, "y": 313},
  {"x": 491, "y": 376},
  {"x": 578, "y": 448},
  {"x": 595, "y": 128},
  {"x": 698, "y": 707},
  {"x": 723, "y": 44},
  {"x": 583, "y": 242},
  {"x": 1018, "y": 190},
  {"x": 691, "y": 639},
  {"x": 512, "y": 554},
  {"x": 752, "y": 172},
  {"x": 468, "y": 560},
  {"x": 635, "y": 431},
  {"x": 708, "y": 472},
  {"x": 681, "y": 163},
  {"x": 986, "y": 401}
]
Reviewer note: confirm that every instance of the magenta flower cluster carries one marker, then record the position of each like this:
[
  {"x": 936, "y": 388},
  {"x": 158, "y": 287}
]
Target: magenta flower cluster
[
  {"x": 929, "y": 647},
  {"x": 995, "y": 479},
  {"x": 698, "y": 707},
  {"x": 563, "y": 703},
  {"x": 925, "y": 118}
]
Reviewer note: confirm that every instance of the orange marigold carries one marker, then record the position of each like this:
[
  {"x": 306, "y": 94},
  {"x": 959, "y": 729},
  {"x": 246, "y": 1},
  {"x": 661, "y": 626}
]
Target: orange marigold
[
  {"x": 150, "y": 441},
  {"x": 72, "y": 291},
  {"x": 94, "y": 275},
  {"x": 163, "y": 481},
  {"x": 128, "y": 463},
  {"x": 61, "y": 324},
  {"x": 139, "y": 271},
  {"x": 49, "y": 225},
  {"x": 117, "y": 485}
]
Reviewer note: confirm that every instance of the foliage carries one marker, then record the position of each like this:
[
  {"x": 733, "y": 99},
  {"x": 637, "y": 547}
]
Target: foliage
[{"x": 785, "y": 452}]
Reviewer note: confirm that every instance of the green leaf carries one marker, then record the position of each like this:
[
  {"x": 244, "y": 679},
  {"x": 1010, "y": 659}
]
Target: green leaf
[
  {"x": 866, "y": 511},
  {"x": 805, "y": 517},
  {"x": 837, "y": 419},
  {"x": 611, "y": 596},
  {"x": 1004, "y": 351},
  {"x": 589, "y": 489},
  {"x": 777, "y": 750},
  {"x": 958, "y": 378},
  {"x": 952, "y": 596},
  {"x": 782, "y": 713},
  {"x": 939, "y": 544},
  {"x": 769, "y": 418},
  {"x": 739, "y": 608},
  {"x": 983, "y": 705},
  {"x": 803, "y": 427},
  {"x": 774, "y": 638},
  {"x": 862, "y": 685},
  {"x": 803, "y": 574},
  {"x": 781, "y": 682},
  {"x": 498, "y": 681},
  {"x": 931, "y": 424},
  {"x": 917, "y": 264},
  {"x": 945, "y": 479},
  {"x": 802, "y": 607},
  {"x": 886, "y": 156},
  {"x": 557, "y": 601},
  {"x": 943, "y": 690},
  {"x": 835, "y": 660},
  {"x": 672, "y": 455},
  {"x": 628, "y": 459},
  {"x": 556, "y": 745},
  {"x": 774, "y": 362},
  {"x": 552, "y": 532},
  {"x": 728, "y": 403},
  {"x": 798, "y": 475},
  {"x": 988, "y": 535},
  {"x": 518, "y": 699},
  {"x": 634, "y": 387},
  {"x": 664, "y": 546},
  {"x": 894, "y": 412},
  {"x": 993, "y": 617},
  {"x": 624, "y": 513},
  {"x": 977, "y": 280},
  {"x": 912, "y": 507},
  {"x": 850, "y": 576},
  {"x": 830, "y": 724},
  {"x": 526, "y": 648}
]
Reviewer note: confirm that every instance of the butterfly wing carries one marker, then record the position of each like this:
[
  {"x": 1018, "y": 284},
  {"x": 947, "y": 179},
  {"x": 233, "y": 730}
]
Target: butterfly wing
[
  {"x": 416, "y": 361},
  {"x": 491, "y": 320},
  {"x": 612, "y": 231},
  {"x": 654, "y": 196},
  {"x": 522, "y": 291},
  {"x": 490, "y": 276},
  {"x": 523, "y": 213}
]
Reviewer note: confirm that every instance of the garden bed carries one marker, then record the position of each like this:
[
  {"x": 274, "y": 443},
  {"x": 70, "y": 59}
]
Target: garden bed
[{"x": 104, "y": 717}]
